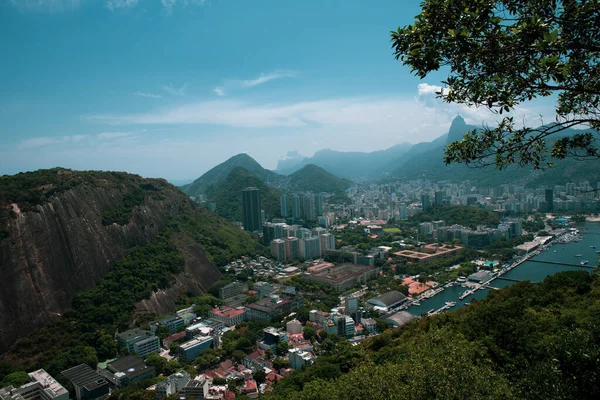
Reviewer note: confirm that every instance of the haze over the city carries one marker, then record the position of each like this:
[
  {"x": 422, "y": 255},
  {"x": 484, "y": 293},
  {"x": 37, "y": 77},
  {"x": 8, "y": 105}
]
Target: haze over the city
[{"x": 171, "y": 88}]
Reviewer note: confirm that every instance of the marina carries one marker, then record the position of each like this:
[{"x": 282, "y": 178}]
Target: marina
[{"x": 563, "y": 254}]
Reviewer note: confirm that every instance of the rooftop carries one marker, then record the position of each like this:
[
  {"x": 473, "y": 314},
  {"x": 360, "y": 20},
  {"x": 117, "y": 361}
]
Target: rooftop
[
  {"x": 388, "y": 299},
  {"x": 83, "y": 375},
  {"x": 228, "y": 312},
  {"x": 341, "y": 272},
  {"x": 129, "y": 365}
]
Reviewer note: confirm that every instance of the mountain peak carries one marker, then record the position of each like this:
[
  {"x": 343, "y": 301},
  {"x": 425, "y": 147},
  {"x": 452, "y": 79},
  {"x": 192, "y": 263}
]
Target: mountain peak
[{"x": 457, "y": 129}]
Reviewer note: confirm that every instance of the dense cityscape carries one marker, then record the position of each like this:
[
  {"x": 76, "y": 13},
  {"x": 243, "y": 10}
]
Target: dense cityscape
[
  {"x": 218, "y": 200},
  {"x": 336, "y": 271}
]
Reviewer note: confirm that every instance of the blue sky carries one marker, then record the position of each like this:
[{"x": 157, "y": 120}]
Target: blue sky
[{"x": 171, "y": 88}]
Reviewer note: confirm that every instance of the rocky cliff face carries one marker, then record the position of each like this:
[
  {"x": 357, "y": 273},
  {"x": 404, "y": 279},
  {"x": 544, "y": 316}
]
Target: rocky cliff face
[
  {"x": 48, "y": 255},
  {"x": 197, "y": 277}
]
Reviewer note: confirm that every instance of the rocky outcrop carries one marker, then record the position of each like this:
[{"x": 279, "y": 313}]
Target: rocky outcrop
[
  {"x": 48, "y": 255},
  {"x": 197, "y": 277}
]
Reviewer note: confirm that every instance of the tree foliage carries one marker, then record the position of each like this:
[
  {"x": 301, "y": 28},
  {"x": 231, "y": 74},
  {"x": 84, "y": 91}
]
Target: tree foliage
[
  {"x": 526, "y": 341},
  {"x": 502, "y": 53}
]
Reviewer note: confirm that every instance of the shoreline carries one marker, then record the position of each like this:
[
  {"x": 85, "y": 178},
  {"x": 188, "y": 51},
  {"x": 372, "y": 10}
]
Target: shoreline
[{"x": 592, "y": 219}]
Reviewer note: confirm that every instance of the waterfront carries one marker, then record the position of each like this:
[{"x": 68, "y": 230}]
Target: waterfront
[{"x": 529, "y": 270}]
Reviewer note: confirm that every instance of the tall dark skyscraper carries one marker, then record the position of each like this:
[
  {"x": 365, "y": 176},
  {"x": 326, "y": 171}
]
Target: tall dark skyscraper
[
  {"x": 549, "y": 200},
  {"x": 439, "y": 198},
  {"x": 425, "y": 202},
  {"x": 295, "y": 206},
  {"x": 251, "y": 209},
  {"x": 283, "y": 203}
]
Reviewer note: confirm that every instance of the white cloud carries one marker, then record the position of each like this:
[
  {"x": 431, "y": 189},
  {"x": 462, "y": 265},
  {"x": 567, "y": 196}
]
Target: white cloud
[
  {"x": 46, "y": 141},
  {"x": 170, "y": 4},
  {"x": 219, "y": 91},
  {"x": 174, "y": 91},
  {"x": 113, "y": 135},
  {"x": 46, "y": 5},
  {"x": 264, "y": 78},
  {"x": 361, "y": 121},
  {"x": 151, "y": 95},
  {"x": 120, "y": 4}
]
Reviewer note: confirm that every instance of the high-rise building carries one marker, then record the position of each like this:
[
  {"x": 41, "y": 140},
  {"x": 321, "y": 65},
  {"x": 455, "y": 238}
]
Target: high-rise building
[
  {"x": 327, "y": 242},
  {"x": 310, "y": 248},
  {"x": 251, "y": 212},
  {"x": 319, "y": 204},
  {"x": 549, "y": 200},
  {"x": 425, "y": 202},
  {"x": 283, "y": 204},
  {"x": 295, "y": 206},
  {"x": 439, "y": 198},
  {"x": 309, "y": 208},
  {"x": 292, "y": 248},
  {"x": 278, "y": 249},
  {"x": 403, "y": 212},
  {"x": 351, "y": 305}
]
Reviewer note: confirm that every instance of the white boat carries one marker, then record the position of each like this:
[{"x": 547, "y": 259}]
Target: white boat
[
  {"x": 584, "y": 262},
  {"x": 577, "y": 255}
]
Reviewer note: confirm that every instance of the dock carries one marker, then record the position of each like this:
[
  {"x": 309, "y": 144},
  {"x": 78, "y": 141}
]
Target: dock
[
  {"x": 562, "y": 263},
  {"x": 509, "y": 279}
]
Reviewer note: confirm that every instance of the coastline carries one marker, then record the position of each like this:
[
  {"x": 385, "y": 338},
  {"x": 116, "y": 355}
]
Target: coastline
[{"x": 593, "y": 219}]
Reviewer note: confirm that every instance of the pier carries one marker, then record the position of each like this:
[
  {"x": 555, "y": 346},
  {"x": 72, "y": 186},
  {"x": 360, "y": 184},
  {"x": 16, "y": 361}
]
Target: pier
[
  {"x": 562, "y": 263},
  {"x": 509, "y": 279}
]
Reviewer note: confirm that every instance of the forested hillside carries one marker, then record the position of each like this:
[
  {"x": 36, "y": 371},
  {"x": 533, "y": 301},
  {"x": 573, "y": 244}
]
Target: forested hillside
[
  {"x": 315, "y": 179},
  {"x": 85, "y": 333},
  {"x": 527, "y": 341},
  {"x": 227, "y": 194}
]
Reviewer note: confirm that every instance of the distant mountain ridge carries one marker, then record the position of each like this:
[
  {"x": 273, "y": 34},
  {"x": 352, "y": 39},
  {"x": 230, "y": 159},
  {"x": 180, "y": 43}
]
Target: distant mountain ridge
[
  {"x": 426, "y": 161},
  {"x": 350, "y": 165}
]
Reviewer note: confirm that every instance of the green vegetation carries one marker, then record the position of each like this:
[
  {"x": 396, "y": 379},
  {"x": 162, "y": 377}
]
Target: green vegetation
[
  {"x": 535, "y": 224},
  {"x": 392, "y": 231},
  {"x": 463, "y": 215},
  {"x": 527, "y": 341},
  {"x": 85, "y": 333},
  {"x": 15, "y": 379},
  {"x": 312, "y": 178},
  {"x": 227, "y": 194},
  {"x": 122, "y": 215},
  {"x": 219, "y": 173},
  {"x": 29, "y": 189},
  {"x": 502, "y": 53}
]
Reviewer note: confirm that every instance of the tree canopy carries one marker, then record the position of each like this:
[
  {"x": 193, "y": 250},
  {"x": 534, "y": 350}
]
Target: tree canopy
[{"x": 502, "y": 53}]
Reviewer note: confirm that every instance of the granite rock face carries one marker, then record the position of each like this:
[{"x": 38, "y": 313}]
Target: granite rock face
[{"x": 49, "y": 254}]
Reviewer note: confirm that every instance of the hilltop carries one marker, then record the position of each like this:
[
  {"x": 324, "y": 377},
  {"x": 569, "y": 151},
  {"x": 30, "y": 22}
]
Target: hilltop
[
  {"x": 315, "y": 179},
  {"x": 221, "y": 172}
]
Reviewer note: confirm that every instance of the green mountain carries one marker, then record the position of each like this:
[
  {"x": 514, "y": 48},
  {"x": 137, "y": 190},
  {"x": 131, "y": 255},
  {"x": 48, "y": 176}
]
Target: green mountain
[
  {"x": 526, "y": 341},
  {"x": 82, "y": 250},
  {"x": 227, "y": 194},
  {"x": 425, "y": 161},
  {"x": 312, "y": 178},
  {"x": 221, "y": 171}
]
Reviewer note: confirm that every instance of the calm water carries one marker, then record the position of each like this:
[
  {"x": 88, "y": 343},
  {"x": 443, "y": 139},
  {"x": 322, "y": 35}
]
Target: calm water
[{"x": 529, "y": 270}]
